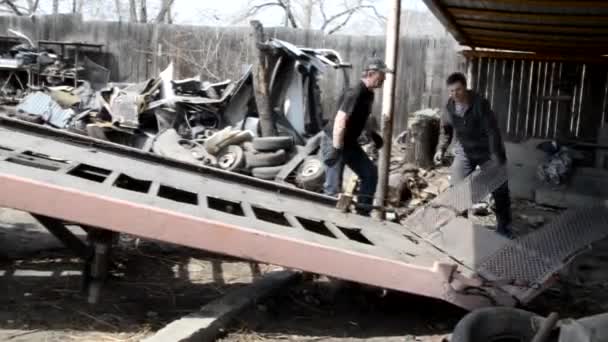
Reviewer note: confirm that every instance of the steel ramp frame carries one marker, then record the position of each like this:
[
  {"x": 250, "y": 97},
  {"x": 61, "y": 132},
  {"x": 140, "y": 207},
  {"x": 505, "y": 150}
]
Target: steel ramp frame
[
  {"x": 93, "y": 183},
  {"x": 66, "y": 179}
]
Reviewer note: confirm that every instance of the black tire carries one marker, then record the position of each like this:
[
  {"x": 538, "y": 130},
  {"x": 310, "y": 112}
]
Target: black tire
[
  {"x": 495, "y": 325},
  {"x": 311, "y": 174},
  {"x": 271, "y": 144},
  {"x": 267, "y": 173},
  {"x": 231, "y": 158},
  {"x": 253, "y": 160}
]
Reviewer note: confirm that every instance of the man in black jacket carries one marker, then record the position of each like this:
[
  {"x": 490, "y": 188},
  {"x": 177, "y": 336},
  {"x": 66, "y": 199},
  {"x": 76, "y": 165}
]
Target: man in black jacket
[
  {"x": 339, "y": 145},
  {"x": 478, "y": 141}
]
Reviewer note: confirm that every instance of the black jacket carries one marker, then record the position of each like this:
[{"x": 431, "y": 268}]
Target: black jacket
[{"x": 477, "y": 132}]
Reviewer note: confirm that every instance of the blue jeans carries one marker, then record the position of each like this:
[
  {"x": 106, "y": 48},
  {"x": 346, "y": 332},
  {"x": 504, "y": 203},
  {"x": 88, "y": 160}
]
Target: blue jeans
[
  {"x": 362, "y": 166},
  {"x": 463, "y": 166}
]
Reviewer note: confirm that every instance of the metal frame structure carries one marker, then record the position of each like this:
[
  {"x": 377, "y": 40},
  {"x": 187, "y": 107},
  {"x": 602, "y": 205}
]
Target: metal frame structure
[
  {"x": 568, "y": 29},
  {"x": 79, "y": 180}
]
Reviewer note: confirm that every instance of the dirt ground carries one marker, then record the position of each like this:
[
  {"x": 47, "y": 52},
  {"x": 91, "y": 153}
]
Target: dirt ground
[
  {"x": 153, "y": 284},
  {"x": 150, "y": 286}
]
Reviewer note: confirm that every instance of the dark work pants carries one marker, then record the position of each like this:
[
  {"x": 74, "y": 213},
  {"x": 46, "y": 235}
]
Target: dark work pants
[
  {"x": 463, "y": 166},
  {"x": 362, "y": 166}
]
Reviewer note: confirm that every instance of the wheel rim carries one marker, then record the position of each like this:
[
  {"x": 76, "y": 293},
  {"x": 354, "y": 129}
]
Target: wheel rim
[
  {"x": 227, "y": 160},
  {"x": 310, "y": 168}
]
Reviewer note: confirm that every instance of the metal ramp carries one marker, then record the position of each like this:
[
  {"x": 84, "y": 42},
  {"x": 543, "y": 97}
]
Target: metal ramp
[{"x": 92, "y": 183}]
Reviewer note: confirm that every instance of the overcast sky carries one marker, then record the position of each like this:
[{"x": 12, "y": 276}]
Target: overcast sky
[
  {"x": 187, "y": 11},
  {"x": 224, "y": 12}
]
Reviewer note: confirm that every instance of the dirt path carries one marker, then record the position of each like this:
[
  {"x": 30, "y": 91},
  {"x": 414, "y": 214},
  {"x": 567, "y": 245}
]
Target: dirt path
[{"x": 150, "y": 285}]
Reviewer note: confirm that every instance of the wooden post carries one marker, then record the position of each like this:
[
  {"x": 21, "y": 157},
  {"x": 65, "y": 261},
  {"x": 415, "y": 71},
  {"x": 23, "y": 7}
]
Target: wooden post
[
  {"x": 260, "y": 81},
  {"x": 388, "y": 104}
]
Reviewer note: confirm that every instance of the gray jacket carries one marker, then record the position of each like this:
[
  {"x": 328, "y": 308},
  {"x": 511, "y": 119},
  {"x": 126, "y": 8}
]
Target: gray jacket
[{"x": 477, "y": 132}]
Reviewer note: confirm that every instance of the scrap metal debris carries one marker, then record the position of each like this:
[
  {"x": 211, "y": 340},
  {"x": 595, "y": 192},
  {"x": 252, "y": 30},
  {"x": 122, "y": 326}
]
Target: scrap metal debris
[
  {"x": 191, "y": 119},
  {"x": 558, "y": 166}
]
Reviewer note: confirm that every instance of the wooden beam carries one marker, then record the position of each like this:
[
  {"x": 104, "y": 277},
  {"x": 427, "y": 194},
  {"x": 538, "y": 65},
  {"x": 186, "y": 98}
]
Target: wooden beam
[
  {"x": 525, "y": 17},
  {"x": 483, "y": 24},
  {"x": 540, "y": 47},
  {"x": 555, "y": 44},
  {"x": 447, "y": 20},
  {"x": 587, "y": 4},
  {"x": 534, "y": 56},
  {"x": 474, "y": 33}
]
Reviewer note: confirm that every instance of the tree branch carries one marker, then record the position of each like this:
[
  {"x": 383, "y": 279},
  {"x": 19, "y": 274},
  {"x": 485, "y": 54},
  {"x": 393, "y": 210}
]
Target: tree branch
[
  {"x": 12, "y": 6},
  {"x": 164, "y": 10},
  {"x": 322, "y": 8},
  {"x": 340, "y": 26},
  {"x": 348, "y": 13},
  {"x": 287, "y": 9}
]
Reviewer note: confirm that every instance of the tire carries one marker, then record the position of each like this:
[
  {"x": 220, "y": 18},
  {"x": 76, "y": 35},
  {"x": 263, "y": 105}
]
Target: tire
[
  {"x": 311, "y": 174},
  {"x": 253, "y": 160},
  {"x": 495, "y": 325},
  {"x": 271, "y": 144},
  {"x": 248, "y": 147},
  {"x": 231, "y": 158},
  {"x": 267, "y": 173}
]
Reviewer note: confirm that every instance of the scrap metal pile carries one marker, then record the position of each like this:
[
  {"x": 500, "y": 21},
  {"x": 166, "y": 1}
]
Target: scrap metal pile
[
  {"x": 25, "y": 66},
  {"x": 203, "y": 123}
]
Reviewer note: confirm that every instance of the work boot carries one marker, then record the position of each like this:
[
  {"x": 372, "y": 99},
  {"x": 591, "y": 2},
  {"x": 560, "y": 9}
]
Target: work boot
[{"x": 505, "y": 230}]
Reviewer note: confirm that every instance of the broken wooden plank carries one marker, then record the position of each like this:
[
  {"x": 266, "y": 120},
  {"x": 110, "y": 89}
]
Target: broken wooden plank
[{"x": 212, "y": 319}]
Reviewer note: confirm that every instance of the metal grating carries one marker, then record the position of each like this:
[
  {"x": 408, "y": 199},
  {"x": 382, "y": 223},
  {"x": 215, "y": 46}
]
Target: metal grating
[
  {"x": 473, "y": 189},
  {"x": 531, "y": 260},
  {"x": 456, "y": 199},
  {"x": 428, "y": 219}
]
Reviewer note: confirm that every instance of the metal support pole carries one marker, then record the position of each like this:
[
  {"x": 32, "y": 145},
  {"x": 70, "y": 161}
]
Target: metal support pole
[{"x": 388, "y": 103}]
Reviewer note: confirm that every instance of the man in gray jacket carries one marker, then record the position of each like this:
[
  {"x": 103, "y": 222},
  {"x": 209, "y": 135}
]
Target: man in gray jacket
[{"x": 478, "y": 141}]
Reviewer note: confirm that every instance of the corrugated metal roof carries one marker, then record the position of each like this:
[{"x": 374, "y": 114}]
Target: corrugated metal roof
[{"x": 562, "y": 27}]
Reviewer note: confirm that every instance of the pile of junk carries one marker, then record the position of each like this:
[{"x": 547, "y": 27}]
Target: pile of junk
[
  {"x": 203, "y": 123},
  {"x": 26, "y": 66}
]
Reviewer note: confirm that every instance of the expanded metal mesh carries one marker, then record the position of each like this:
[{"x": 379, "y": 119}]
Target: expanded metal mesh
[
  {"x": 535, "y": 257},
  {"x": 473, "y": 189},
  {"x": 457, "y": 198}
]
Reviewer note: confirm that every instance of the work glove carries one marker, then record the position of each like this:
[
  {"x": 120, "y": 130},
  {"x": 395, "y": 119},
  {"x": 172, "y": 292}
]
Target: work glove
[
  {"x": 332, "y": 156},
  {"x": 438, "y": 158},
  {"x": 499, "y": 157},
  {"x": 377, "y": 139}
]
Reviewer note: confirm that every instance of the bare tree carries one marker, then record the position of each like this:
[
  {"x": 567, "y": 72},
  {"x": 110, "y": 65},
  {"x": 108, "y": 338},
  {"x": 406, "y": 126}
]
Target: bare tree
[
  {"x": 254, "y": 7},
  {"x": 16, "y": 7},
  {"x": 308, "y": 7},
  {"x": 132, "y": 11},
  {"x": 143, "y": 11},
  {"x": 118, "y": 9},
  {"x": 299, "y": 13},
  {"x": 55, "y": 6},
  {"x": 164, "y": 15}
]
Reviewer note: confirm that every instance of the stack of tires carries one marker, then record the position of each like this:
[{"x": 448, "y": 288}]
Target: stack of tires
[{"x": 264, "y": 157}]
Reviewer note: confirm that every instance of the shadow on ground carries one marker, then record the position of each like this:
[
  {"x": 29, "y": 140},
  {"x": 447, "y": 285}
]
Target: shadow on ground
[
  {"x": 150, "y": 285},
  {"x": 328, "y": 309}
]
